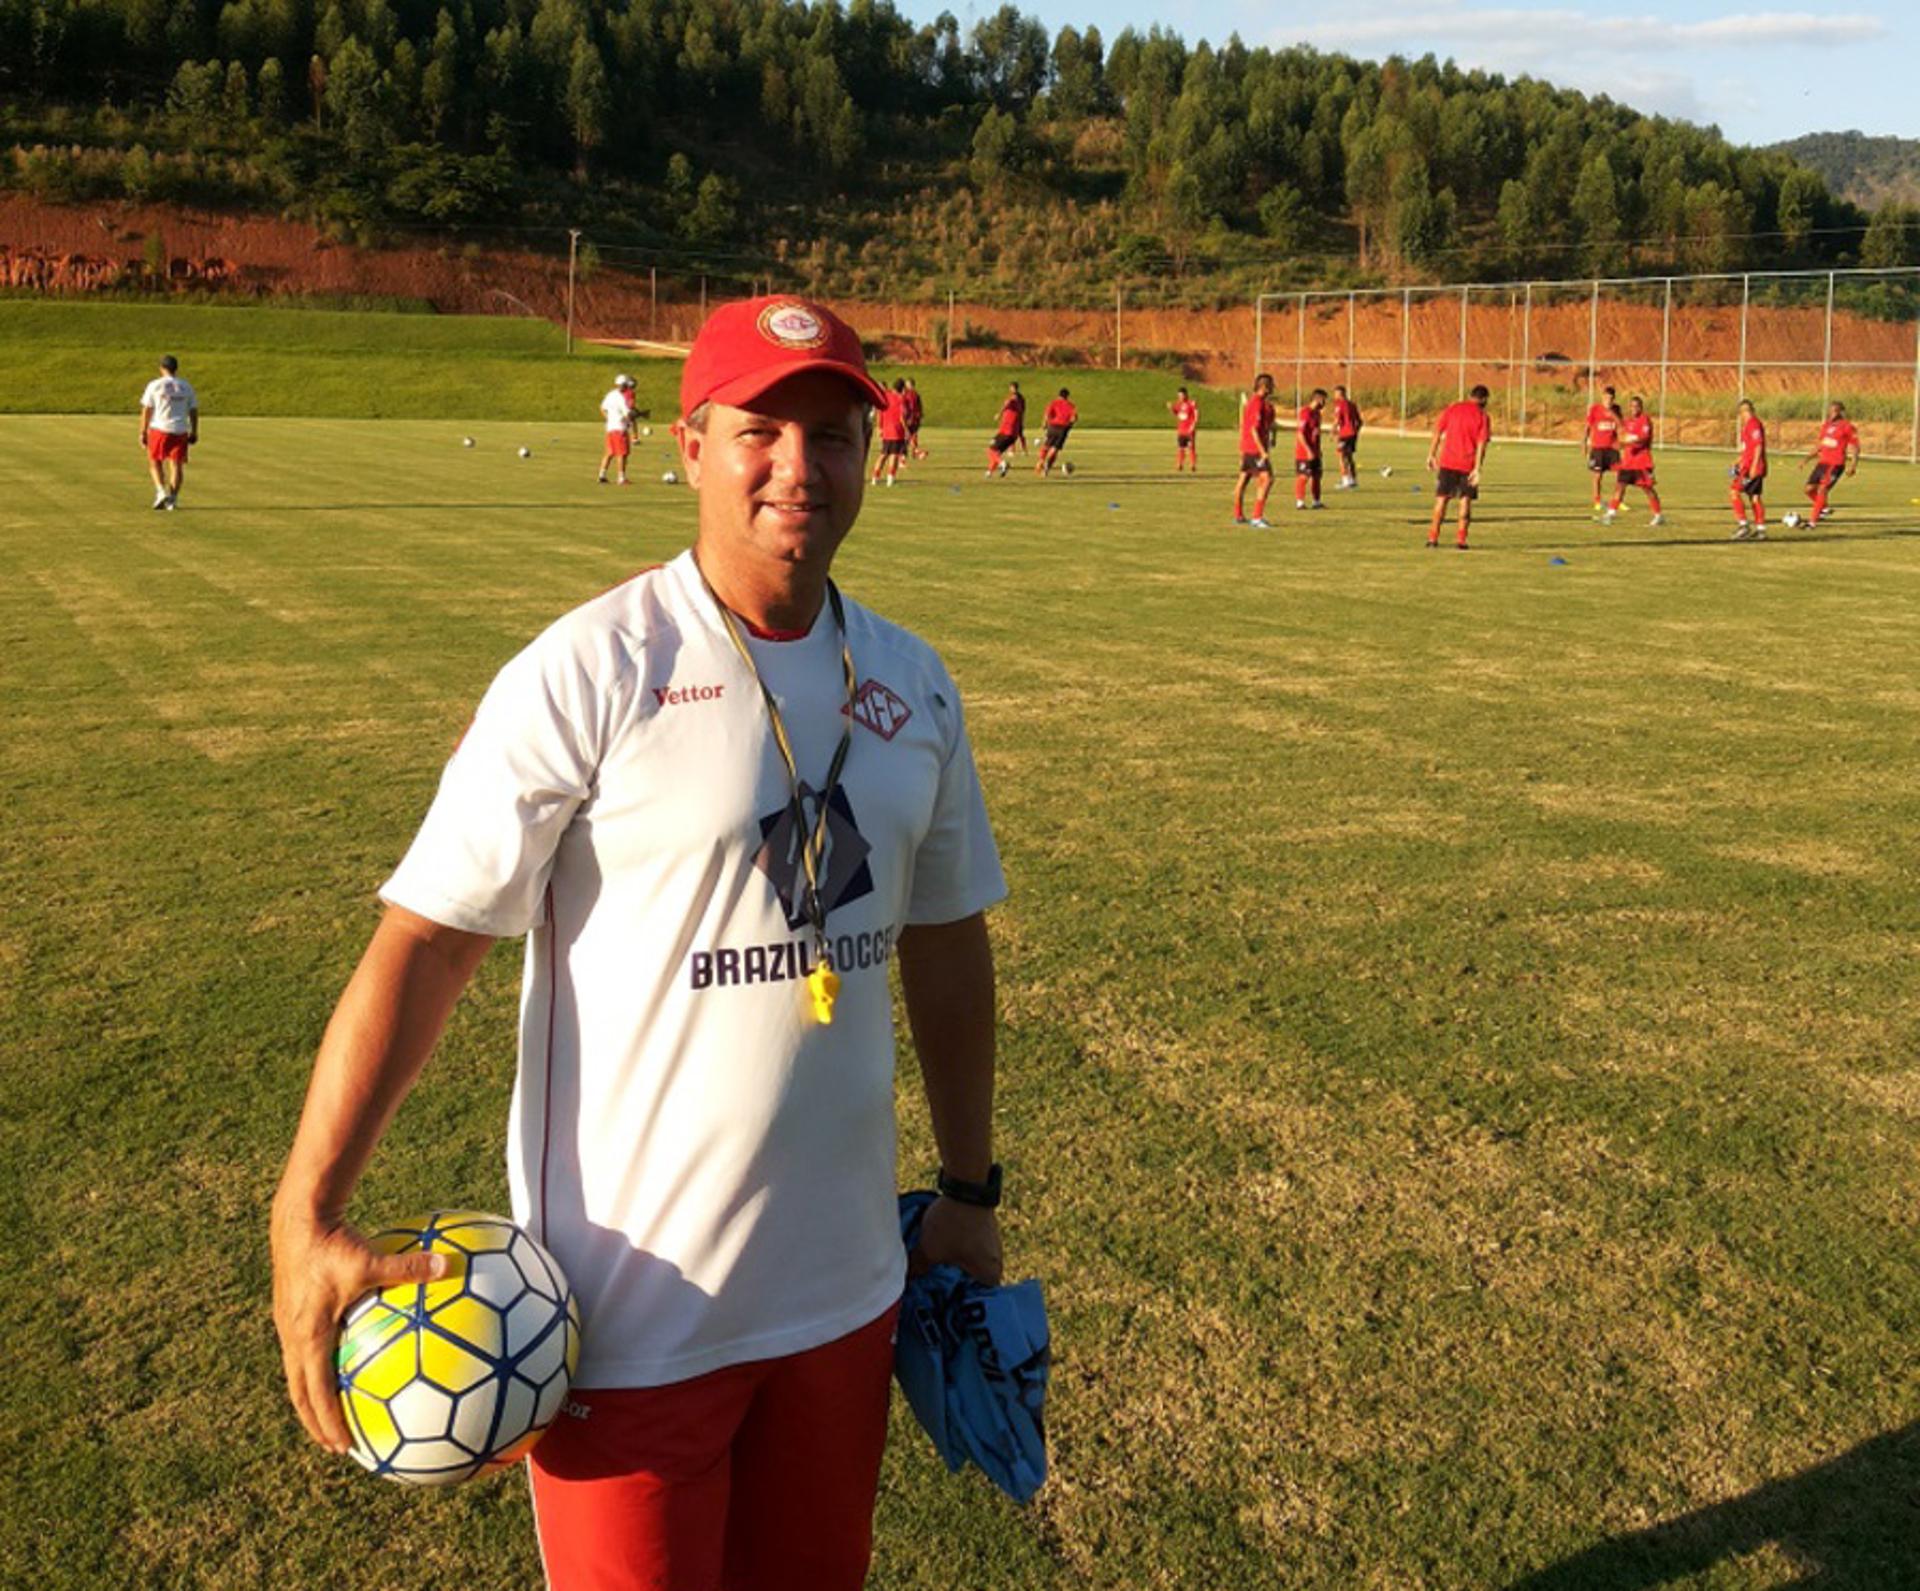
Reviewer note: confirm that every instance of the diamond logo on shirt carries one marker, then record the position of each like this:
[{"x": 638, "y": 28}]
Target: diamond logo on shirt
[
  {"x": 880, "y": 710},
  {"x": 845, "y": 874}
]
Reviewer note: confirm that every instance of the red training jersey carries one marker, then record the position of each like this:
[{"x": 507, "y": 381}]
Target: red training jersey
[
  {"x": 1636, "y": 442},
  {"x": 893, "y": 418},
  {"x": 1753, "y": 448},
  {"x": 1306, "y": 436},
  {"x": 1836, "y": 437},
  {"x": 1061, "y": 412},
  {"x": 1463, "y": 427},
  {"x": 915, "y": 406},
  {"x": 1346, "y": 419},
  {"x": 1009, "y": 418},
  {"x": 1603, "y": 426},
  {"x": 1256, "y": 423},
  {"x": 1186, "y": 415}
]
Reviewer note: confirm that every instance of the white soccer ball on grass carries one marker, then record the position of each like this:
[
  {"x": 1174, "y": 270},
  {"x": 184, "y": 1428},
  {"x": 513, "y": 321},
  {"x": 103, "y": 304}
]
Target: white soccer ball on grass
[
  {"x": 1790, "y": 519},
  {"x": 526, "y": 452},
  {"x": 466, "y": 441},
  {"x": 670, "y": 479},
  {"x": 646, "y": 430}
]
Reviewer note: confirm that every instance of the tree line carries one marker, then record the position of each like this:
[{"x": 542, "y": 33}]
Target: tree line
[{"x": 738, "y": 125}]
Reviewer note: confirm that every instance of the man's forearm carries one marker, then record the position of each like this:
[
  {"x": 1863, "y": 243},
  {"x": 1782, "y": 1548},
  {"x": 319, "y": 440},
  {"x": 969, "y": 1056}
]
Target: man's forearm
[
  {"x": 946, "y": 974},
  {"x": 384, "y": 1028}
]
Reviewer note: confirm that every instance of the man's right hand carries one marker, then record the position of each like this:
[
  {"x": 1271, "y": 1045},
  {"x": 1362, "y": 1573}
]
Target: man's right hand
[{"x": 319, "y": 1269}]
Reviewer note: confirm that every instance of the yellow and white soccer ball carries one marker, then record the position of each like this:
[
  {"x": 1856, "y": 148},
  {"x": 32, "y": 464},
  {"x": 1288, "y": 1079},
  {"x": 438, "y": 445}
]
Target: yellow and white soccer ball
[{"x": 440, "y": 1381}]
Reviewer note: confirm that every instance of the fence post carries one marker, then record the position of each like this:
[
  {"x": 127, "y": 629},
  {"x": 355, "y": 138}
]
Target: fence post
[
  {"x": 573, "y": 250},
  {"x": 1826, "y": 359},
  {"x": 1526, "y": 354},
  {"x": 1666, "y": 335},
  {"x": 1406, "y": 346},
  {"x": 1746, "y": 298},
  {"x": 1593, "y": 339},
  {"x": 949, "y": 325},
  {"x": 1463, "y": 344},
  {"x": 703, "y": 300},
  {"x": 1116, "y": 325},
  {"x": 1299, "y": 351},
  {"x": 653, "y": 301},
  {"x": 1350, "y": 323},
  {"x": 1259, "y": 329},
  {"x": 1913, "y": 448}
]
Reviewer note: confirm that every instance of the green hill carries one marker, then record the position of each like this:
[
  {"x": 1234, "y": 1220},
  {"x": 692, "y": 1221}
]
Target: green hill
[
  {"x": 1865, "y": 171},
  {"x": 851, "y": 150}
]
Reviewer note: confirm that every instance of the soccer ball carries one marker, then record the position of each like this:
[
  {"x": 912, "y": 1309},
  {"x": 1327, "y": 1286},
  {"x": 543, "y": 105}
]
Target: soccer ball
[
  {"x": 1068, "y": 466},
  {"x": 1790, "y": 519},
  {"x": 670, "y": 478},
  {"x": 440, "y": 1381},
  {"x": 1386, "y": 472},
  {"x": 466, "y": 441},
  {"x": 526, "y": 452},
  {"x": 646, "y": 430}
]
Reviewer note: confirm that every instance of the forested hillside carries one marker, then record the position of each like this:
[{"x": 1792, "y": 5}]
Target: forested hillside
[
  {"x": 1868, "y": 171},
  {"x": 854, "y": 151}
]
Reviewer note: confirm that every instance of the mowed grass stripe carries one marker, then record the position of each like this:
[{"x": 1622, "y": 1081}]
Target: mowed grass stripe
[{"x": 1458, "y": 1072}]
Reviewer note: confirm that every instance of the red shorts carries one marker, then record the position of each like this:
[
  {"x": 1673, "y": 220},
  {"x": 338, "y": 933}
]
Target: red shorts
[
  {"x": 758, "y": 1477},
  {"x": 619, "y": 444},
  {"x": 166, "y": 445}
]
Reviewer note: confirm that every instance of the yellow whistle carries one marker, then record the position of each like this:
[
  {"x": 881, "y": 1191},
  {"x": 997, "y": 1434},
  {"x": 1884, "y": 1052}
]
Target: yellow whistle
[{"x": 823, "y": 983}]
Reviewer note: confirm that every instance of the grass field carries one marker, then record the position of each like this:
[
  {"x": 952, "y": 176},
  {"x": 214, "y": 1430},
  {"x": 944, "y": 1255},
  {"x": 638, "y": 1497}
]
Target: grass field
[
  {"x": 1460, "y": 1024},
  {"x": 94, "y": 358}
]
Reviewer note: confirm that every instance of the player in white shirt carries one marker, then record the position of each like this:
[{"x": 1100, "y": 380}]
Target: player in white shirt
[
  {"x": 169, "y": 425},
  {"x": 719, "y": 800},
  {"x": 617, "y": 407}
]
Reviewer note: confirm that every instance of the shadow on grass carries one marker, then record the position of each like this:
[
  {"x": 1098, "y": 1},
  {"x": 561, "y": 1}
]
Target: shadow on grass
[{"x": 1853, "y": 1522}]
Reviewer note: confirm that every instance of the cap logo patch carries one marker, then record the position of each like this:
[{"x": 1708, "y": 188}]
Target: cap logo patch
[{"x": 792, "y": 325}]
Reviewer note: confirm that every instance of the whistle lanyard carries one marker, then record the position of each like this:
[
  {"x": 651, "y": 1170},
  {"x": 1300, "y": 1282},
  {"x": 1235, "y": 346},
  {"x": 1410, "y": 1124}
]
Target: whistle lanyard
[{"x": 823, "y": 983}]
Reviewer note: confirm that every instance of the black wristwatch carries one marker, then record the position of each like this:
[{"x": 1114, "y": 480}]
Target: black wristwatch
[{"x": 982, "y": 1195}]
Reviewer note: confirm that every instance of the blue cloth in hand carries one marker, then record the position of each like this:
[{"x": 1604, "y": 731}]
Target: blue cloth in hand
[{"x": 973, "y": 1362}]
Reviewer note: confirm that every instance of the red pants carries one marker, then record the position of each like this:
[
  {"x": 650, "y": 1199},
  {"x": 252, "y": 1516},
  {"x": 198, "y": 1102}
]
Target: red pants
[{"x": 758, "y": 1477}]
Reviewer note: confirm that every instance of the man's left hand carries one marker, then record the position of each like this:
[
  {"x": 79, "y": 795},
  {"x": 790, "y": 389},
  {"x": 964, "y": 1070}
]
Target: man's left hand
[{"x": 952, "y": 1233}]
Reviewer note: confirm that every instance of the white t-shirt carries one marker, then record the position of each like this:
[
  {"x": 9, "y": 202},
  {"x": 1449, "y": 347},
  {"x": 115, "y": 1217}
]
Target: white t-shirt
[
  {"x": 713, "y": 1170},
  {"x": 618, "y": 411},
  {"x": 171, "y": 399}
]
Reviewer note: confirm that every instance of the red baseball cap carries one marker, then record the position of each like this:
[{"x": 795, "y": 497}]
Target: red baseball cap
[{"x": 745, "y": 348}]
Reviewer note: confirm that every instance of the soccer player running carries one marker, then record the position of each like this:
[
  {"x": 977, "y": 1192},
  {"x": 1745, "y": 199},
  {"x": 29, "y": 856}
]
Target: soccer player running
[
  {"x": 1007, "y": 432},
  {"x": 617, "y": 406},
  {"x": 1186, "y": 420},
  {"x": 1059, "y": 420},
  {"x": 1346, "y": 433},
  {"x": 1458, "y": 450},
  {"x": 1836, "y": 453},
  {"x": 169, "y": 425},
  {"x": 1306, "y": 450},
  {"x": 1603, "y": 445},
  {"x": 719, "y": 800},
  {"x": 1750, "y": 477},
  {"x": 1257, "y": 420},
  {"x": 1019, "y": 416},
  {"x": 893, "y": 434},
  {"x": 1636, "y": 463},
  {"x": 916, "y": 412}
]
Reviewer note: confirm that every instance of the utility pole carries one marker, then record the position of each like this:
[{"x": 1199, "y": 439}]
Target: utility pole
[
  {"x": 1116, "y": 325},
  {"x": 573, "y": 254},
  {"x": 653, "y": 301},
  {"x": 949, "y": 325}
]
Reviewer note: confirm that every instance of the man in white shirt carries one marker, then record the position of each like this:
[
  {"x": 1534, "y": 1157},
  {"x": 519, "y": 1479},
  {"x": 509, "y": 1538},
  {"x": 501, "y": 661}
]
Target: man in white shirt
[
  {"x": 169, "y": 425},
  {"x": 617, "y": 407},
  {"x": 719, "y": 800}
]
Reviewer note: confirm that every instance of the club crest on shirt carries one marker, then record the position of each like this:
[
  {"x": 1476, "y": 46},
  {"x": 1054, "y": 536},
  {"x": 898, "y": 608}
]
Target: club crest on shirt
[
  {"x": 879, "y": 709},
  {"x": 792, "y": 325},
  {"x": 846, "y": 876}
]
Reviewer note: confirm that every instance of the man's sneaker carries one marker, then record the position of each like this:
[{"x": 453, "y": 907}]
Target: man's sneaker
[
  {"x": 1299, "y": 505},
  {"x": 600, "y": 480},
  {"x": 1316, "y": 503},
  {"x": 1259, "y": 523},
  {"x": 1003, "y": 466},
  {"x": 1759, "y": 533},
  {"x": 1741, "y": 530},
  {"x": 1459, "y": 546},
  {"x": 891, "y": 479},
  {"x": 1239, "y": 519},
  {"x": 1658, "y": 519},
  {"x": 1433, "y": 543},
  {"x": 1609, "y": 516},
  {"x": 172, "y": 502},
  {"x": 159, "y": 501}
]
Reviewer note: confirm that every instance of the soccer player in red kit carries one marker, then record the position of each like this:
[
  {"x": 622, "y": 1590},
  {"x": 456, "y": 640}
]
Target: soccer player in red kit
[
  {"x": 1636, "y": 462},
  {"x": 893, "y": 435},
  {"x": 1007, "y": 432},
  {"x": 1603, "y": 444},
  {"x": 1256, "y": 443},
  {"x": 1186, "y": 420},
  {"x": 1750, "y": 477},
  {"x": 1837, "y": 453},
  {"x": 1459, "y": 448},
  {"x": 1306, "y": 450},
  {"x": 916, "y": 412},
  {"x": 1346, "y": 432},
  {"x": 1060, "y": 417}
]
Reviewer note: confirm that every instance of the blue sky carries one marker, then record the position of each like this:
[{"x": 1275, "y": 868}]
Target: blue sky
[{"x": 1762, "y": 73}]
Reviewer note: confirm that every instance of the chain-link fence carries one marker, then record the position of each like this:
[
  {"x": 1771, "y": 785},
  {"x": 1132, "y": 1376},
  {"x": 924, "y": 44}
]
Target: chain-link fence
[{"x": 1690, "y": 346}]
